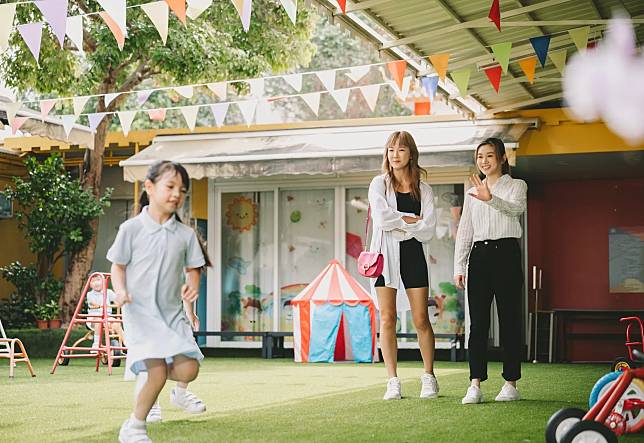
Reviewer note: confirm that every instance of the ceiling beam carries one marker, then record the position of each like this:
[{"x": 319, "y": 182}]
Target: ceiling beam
[
  {"x": 540, "y": 77},
  {"x": 520, "y": 24},
  {"x": 513, "y": 106},
  {"x": 353, "y": 7}
]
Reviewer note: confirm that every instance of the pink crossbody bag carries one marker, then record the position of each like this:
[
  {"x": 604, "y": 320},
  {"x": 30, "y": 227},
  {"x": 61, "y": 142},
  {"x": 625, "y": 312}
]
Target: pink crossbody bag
[{"x": 370, "y": 264}]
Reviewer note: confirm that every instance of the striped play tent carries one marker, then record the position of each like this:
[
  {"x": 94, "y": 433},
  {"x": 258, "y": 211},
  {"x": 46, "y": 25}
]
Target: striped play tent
[{"x": 334, "y": 319}]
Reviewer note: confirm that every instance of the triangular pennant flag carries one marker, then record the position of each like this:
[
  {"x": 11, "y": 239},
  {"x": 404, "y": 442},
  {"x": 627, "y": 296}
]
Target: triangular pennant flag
[
  {"x": 422, "y": 108},
  {"x": 312, "y": 99},
  {"x": 185, "y": 91},
  {"x": 31, "y": 34},
  {"x": 7, "y": 14},
  {"x": 143, "y": 96},
  {"x": 12, "y": 109},
  {"x": 294, "y": 81},
  {"x": 501, "y": 53},
  {"x": 341, "y": 97},
  {"x": 197, "y": 7},
  {"x": 370, "y": 94},
  {"x": 190, "y": 115},
  {"x": 343, "y": 5},
  {"x": 55, "y": 13},
  {"x": 158, "y": 12},
  {"x": 327, "y": 78},
  {"x": 157, "y": 114},
  {"x": 358, "y": 72},
  {"x": 17, "y": 123},
  {"x": 256, "y": 87},
  {"x": 219, "y": 89},
  {"x": 117, "y": 10},
  {"x": 397, "y": 71},
  {"x": 579, "y": 36},
  {"x": 430, "y": 84},
  {"x": 219, "y": 110},
  {"x": 95, "y": 120},
  {"x": 495, "y": 14},
  {"x": 462, "y": 79},
  {"x": 179, "y": 9},
  {"x": 559, "y": 59},
  {"x": 247, "y": 108},
  {"x": 75, "y": 31},
  {"x": 527, "y": 66},
  {"x": 79, "y": 104},
  {"x": 244, "y": 8},
  {"x": 290, "y": 6},
  {"x": 404, "y": 92},
  {"x": 440, "y": 62},
  {"x": 494, "y": 75},
  {"x": 68, "y": 123},
  {"x": 263, "y": 114},
  {"x": 114, "y": 27},
  {"x": 540, "y": 45},
  {"x": 109, "y": 98},
  {"x": 45, "y": 107},
  {"x": 126, "y": 118}
]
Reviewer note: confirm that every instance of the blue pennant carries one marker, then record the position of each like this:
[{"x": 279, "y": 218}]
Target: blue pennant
[
  {"x": 430, "y": 83},
  {"x": 540, "y": 45}
]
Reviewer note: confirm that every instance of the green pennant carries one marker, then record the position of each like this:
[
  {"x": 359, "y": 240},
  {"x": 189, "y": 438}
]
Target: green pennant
[
  {"x": 579, "y": 37},
  {"x": 501, "y": 53},
  {"x": 558, "y": 59},
  {"x": 461, "y": 78}
]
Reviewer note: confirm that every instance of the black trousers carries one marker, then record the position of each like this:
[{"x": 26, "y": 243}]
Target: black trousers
[{"x": 495, "y": 272}]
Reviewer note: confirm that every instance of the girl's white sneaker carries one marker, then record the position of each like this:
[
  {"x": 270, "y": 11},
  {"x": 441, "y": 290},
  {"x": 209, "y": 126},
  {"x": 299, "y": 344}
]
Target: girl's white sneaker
[
  {"x": 393, "y": 389},
  {"x": 187, "y": 401},
  {"x": 133, "y": 433},
  {"x": 154, "y": 416}
]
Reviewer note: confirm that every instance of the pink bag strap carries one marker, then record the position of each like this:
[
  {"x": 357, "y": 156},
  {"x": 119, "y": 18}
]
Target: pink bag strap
[{"x": 366, "y": 231}]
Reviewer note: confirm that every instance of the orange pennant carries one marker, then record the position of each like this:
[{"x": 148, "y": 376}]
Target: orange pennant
[
  {"x": 440, "y": 62},
  {"x": 116, "y": 30},
  {"x": 179, "y": 8},
  {"x": 528, "y": 65},
  {"x": 397, "y": 71},
  {"x": 422, "y": 108}
]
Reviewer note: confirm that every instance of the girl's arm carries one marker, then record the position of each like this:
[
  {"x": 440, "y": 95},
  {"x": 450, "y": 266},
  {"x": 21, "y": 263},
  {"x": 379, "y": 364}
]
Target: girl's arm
[
  {"x": 190, "y": 290},
  {"x": 118, "y": 283},
  {"x": 464, "y": 237},
  {"x": 516, "y": 203},
  {"x": 190, "y": 312},
  {"x": 423, "y": 230},
  {"x": 384, "y": 217}
]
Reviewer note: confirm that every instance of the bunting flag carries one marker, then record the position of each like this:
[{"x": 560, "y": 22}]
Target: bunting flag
[
  {"x": 75, "y": 31},
  {"x": 219, "y": 110},
  {"x": 95, "y": 120},
  {"x": 244, "y": 8},
  {"x": 7, "y": 14},
  {"x": 540, "y": 46},
  {"x": 495, "y": 14},
  {"x": 32, "y": 34},
  {"x": 294, "y": 81},
  {"x": 109, "y": 98},
  {"x": 17, "y": 123},
  {"x": 12, "y": 109},
  {"x": 527, "y": 66},
  {"x": 357, "y": 73},
  {"x": 143, "y": 96},
  {"x": 290, "y": 6},
  {"x": 114, "y": 27},
  {"x": 190, "y": 116},
  {"x": 327, "y": 78},
  {"x": 79, "y": 104},
  {"x": 343, "y": 5},
  {"x": 494, "y": 75},
  {"x": 579, "y": 37},
  {"x": 68, "y": 123},
  {"x": 157, "y": 114},
  {"x": 256, "y": 87},
  {"x": 197, "y": 7},
  {"x": 45, "y": 108},
  {"x": 370, "y": 94},
  {"x": 117, "y": 11},
  {"x": 341, "y": 97},
  {"x": 313, "y": 101},
  {"x": 404, "y": 92},
  {"x": 501, "y": 53},
  {"x": 462, "y": 79},
  {"x": 126, "y": 118},
  {"x": 247, "y": 108},
  {"x": 55, "y": 13},
  {"x": 158, "y": 12},
  {"x": 559, "y": 59},
  {"x": 422, "y": 108},
  {"x": 185, "y": 91},
  {"x": 219, "y": 89},
  {"x": 179, "y": 9},
  {"x": 440, "y": 62},
  {"x": 430, "y": 84},
  {"x": 397, "y": 71}
]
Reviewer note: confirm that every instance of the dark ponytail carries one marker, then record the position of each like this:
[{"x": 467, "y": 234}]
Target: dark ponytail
[{"x": 499, "y": 149}]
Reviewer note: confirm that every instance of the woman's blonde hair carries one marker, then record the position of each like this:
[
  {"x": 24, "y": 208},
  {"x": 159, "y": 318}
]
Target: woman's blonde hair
[{"x": 414, "y": 170}]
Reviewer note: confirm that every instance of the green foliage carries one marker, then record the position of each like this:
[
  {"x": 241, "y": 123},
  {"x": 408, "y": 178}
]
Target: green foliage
[{"x": 447, "y": 288}]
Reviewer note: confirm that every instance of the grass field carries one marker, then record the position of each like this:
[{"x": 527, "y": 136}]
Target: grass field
[{"x": 278, "y": 400}]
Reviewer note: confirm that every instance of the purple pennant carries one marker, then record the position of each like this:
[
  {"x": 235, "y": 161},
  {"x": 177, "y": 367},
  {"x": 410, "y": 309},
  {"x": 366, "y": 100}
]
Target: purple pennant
[
  {"x": 430, "y": 83},
  {"x": 55, "y": 12},
  {"x": 32, "y": 33},
  {"x": 95, "y": 120}
]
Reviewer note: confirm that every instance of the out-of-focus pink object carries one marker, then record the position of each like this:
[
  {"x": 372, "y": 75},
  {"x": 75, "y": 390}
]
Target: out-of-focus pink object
[{"x": 606, "y": 82}]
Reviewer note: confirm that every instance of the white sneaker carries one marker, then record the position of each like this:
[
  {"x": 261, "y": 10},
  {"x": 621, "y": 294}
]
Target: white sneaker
[
  {"x": 393, "y": 389},
  {"x": 508, "y": 393},
  {"x": 189, "y": 402},
  {"x": 131, "y": 433},
  {"x": 474, "y": 395},
  {"x": 154, "y": 416},
  {"x": 429, "y": 386}
]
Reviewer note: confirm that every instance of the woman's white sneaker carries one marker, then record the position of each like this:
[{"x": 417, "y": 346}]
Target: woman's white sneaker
[
  {"x": 429, "y": 386},
  {"x": 187, "y": 401},
  {"x": 393, "y": 389},
  {"x": 473, "y": 395},
  {"x": 508, "y": 393}
]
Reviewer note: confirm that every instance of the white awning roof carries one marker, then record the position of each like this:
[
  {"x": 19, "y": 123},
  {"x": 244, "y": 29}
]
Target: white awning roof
[{"x": 315, "y": 151}]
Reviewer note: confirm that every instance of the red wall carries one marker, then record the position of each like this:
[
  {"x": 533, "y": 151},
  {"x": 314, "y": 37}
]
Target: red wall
[{"x": 568, "y": 223}]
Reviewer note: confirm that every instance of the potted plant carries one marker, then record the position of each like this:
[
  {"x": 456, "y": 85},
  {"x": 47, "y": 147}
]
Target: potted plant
[
  {"x": 53, "y": 314},
  {"x": 40, "y": 313}
]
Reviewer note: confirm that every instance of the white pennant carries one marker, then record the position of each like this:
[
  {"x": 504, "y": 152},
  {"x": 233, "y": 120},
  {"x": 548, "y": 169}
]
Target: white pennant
[
  {"x": 190, "y": 115},
  {"x": 341, "y": 97},
  {"x": 294, "y": 80},
  {"x": 109, "y": 98},
  {"x": 256, "y": 87},
  {"x": 263, "y": 113},
  {"x": 370, "y": 94},
  {"x": 95, "y": 120},
  {"x": 404, "y": 92},
  {"x": 219, "y": 110},
  {"x": 312, "y": 99},
  {"x": 247, "y": 108},
  {"x": 12, "y": 110},
  {"x": 158, "y": 15},
  {"x": 290, "y": 6},
  {"x": 219, "y": 89},
  {"x": 7, "y": 14},
  {"x": 126, "y": 118},
  {"x": 117, "y": 11},
  {"x": 197, "y": 7},
  {"x": 327, "y": 78},
  {"x": 68, "y": 123},
  {"x": 75, "y": 31},
  {"x": 244, "y": 9},
  {"x": 45, "y": 107},
  {"x": 185, "y": 91},
  {"x": 143, "y": 96},
  {"x": 79, "y": 104},
  {"x": 357, "y": 73}
]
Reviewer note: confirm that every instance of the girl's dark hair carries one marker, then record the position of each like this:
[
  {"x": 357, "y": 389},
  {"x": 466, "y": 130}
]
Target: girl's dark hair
[
  {"x": 158, "y": 169},
  {"x": 499, "y": 149},
  {"x": 414, "y": 171}
]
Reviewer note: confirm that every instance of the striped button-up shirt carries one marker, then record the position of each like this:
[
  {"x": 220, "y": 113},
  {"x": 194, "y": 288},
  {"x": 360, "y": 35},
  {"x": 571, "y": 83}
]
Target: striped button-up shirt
[{"x": 491, "y": 220}]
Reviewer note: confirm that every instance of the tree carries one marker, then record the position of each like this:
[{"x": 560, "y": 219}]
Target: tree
[{"x": 214, "y": 47}]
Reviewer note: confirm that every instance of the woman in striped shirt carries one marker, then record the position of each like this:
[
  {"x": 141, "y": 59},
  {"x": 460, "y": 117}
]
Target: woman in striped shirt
[{"x": 488, "y": 236}]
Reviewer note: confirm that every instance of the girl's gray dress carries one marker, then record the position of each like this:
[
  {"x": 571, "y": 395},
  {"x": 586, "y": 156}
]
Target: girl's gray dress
[{"x": 155, "y": 257}]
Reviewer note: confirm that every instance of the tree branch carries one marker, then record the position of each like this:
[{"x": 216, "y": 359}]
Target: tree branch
[{"x": 88, "y": 40}]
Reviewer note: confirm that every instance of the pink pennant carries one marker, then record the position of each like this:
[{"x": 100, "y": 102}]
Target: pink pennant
[
  {"x": 45, "y": 107},
  {"x": 31, "y": 34},
  {"x": 16, "y": 123},
  {"x": 157, "y": 114}
]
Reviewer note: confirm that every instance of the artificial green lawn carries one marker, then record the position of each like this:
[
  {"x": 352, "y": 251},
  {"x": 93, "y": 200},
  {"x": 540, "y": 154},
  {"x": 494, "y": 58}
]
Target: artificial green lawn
[{"x": 278, "y": 400}]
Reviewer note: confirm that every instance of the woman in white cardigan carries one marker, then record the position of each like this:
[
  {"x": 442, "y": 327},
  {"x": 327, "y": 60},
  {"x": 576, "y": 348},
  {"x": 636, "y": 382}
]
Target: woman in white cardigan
[{"x": 404, "y": 222}]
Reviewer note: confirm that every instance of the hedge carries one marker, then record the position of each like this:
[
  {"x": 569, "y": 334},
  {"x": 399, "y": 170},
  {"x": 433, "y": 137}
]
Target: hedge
[{"x": 44, "y": 343}]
